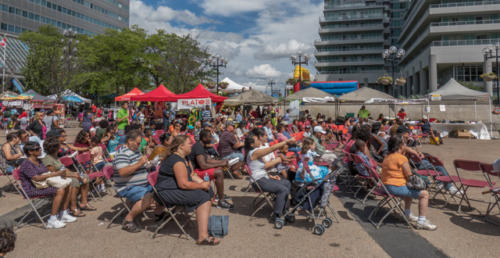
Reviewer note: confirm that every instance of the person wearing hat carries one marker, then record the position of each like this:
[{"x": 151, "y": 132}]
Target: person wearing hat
[
  {"x": 230, "y": 148},
  {"x": 307, "y": 132},
  {"x": 319, "y": 132}
]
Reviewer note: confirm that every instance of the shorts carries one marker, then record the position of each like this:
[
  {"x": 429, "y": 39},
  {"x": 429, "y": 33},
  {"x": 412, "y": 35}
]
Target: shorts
[
  {"x": 135, "y": 193},
  {"x": 235, "y": 154},
  {"x": 210, "y": 172},
  {"x": 403, "y": 191}
]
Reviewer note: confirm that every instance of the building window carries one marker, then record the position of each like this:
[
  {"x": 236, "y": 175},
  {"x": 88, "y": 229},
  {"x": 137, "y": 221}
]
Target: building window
[{"x": 468, "y": 73}]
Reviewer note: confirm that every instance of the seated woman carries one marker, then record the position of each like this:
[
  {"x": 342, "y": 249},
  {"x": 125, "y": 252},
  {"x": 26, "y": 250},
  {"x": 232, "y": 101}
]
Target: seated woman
[
  {"x": 11, "y": 154},
  {"x": 82, "y": 140},
  {"x": 179, "y": 185},
  {"x": 396, "y": 172},
  {"x": 258, "y": 168},
  {"x": 51, "y": 147},
  {"x": 32, "y": 169},
  {"x": 161, "y": 150}
]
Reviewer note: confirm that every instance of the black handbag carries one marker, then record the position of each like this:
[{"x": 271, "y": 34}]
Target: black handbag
[{"x": 416, "y": 183}]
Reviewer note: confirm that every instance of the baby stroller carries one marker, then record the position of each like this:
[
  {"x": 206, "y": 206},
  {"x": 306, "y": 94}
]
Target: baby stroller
[{"x": 308, "y": 196}]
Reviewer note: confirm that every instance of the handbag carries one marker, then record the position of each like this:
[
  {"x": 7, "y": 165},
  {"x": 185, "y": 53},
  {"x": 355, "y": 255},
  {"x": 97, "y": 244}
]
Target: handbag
[
  {"x": 41, "y": 184},
  {"x": 416, "y": 183},
  {"x": 58, "y": 182},
  {"x": 218, "y": 225}
]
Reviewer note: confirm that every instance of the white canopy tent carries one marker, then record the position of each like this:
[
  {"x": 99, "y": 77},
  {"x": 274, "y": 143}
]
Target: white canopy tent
[{"x": 69, "y": 92}]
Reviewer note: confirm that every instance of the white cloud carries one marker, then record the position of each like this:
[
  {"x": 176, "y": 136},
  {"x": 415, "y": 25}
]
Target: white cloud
[
  {"x": 283, "y": 50},
  {"x": 143, "y": 13},
  {"x": 232, "y": 7},
  {"x": 263, "y": 71}
]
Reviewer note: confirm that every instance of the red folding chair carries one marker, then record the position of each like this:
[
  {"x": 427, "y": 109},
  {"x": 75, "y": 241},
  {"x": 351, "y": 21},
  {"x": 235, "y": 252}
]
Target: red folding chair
[
  {"x": 108, "y": 172},
  {"x": 84, "y": 162},
  {"x": 69, "y": 163},
  {"x": 435, "y": 162},
  {"x": 488, "y": 172},
  {"x": 172, "y": 211},
  {"x": 266, "y": 199},
  {"x": 358, "y": 160},
  {"x": 465, "y": 184},
  {"x": 35, "y": 202}
]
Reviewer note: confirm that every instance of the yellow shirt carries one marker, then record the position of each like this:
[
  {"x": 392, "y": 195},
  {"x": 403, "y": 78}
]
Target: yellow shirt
[{"x": 392, "y": 170}]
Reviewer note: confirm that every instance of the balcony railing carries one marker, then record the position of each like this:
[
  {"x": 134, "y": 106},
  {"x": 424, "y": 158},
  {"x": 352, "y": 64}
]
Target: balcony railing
[
  {"x": 471, "y": 3},
  {"x": 453, "y": 23},
  {"x": 465, "y": 42}
]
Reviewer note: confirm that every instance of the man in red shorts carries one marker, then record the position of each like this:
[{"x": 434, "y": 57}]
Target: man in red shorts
[{"x": 204, "y": 165}]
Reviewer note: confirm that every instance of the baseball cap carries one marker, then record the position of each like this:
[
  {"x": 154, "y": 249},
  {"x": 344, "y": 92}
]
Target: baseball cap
[{"x": 319, "y": 129}]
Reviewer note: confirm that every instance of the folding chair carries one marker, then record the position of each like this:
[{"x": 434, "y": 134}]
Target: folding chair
[
  {"x": 488, "y": 171},
  {"x": 36, "y": 202},
  {"x": 108, "y": 172},
  {"x": 68, "y": 163},
  {"x": 357, "y": 159},
  {"x": 266, "y": 197},
  {"x": 428, "y": 171},
  {"x": 388, "y": 199},
  {"x": 171, "y": 211},
  {"x": 82, "y": 161},
  {"x": 465, "y": 184},
  {"x": 435, "y": 162}
]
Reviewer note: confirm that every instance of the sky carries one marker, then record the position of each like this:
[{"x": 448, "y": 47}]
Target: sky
[{"x": 257, "y": 37}]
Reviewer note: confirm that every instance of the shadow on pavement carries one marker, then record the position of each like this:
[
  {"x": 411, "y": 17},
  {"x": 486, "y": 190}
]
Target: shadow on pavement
[{"x": 474, "y": 223}]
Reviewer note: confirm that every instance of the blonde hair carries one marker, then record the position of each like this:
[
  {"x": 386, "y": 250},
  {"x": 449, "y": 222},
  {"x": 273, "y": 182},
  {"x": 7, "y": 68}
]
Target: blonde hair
[{"x": 38, "y": 115}]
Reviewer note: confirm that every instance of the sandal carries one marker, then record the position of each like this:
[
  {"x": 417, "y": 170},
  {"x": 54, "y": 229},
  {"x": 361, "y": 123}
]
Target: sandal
[
  {"x": 87, "y": 207},
  {"x": 77, "y": 213},
  {"x": 130, "y": 226},
  {"x": 208, "y": 241}
]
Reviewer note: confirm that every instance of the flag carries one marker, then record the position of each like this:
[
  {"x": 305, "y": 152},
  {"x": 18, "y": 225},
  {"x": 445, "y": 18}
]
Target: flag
[{"x": 3, "y": 43}]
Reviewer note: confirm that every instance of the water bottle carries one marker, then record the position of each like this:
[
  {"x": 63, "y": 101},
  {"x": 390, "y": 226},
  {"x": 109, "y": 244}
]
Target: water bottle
[{"x": 206, "y": 178}]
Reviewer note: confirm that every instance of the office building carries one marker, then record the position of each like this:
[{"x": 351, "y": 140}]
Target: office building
[{"x": 445, "y": 39}]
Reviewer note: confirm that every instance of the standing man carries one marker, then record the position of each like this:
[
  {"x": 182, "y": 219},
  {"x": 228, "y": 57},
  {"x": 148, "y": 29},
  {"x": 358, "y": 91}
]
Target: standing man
[
  {"x": 363, "y": 112},
  {"x": 206, "y": 114},
  {"x": 122, "y": 119},
  {"x": 166, "y": 117},
  {"x": 51, "y": 120}
]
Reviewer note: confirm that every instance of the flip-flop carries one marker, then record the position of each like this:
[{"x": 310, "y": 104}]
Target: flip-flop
[
  {"x": 79, "y": 215},
  {"x": 87, "y": 207},
  {"x": 208, "y": 241}
]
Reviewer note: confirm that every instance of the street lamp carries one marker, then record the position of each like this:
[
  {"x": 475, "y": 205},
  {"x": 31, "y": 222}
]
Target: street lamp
[
  {"x": 393, "y": 55},
  {"x": 271, "y": 83},
  {"x": 300, "y": 60},
  {"x": 488, "y": 54},
  {"x": 217, "y": 62},
  {"x": 69, "y": 54}
]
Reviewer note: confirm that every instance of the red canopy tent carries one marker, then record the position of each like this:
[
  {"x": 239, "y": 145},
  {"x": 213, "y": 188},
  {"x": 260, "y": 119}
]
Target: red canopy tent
[
  {"x": 160, "y": 94},
  {"x": 201, "y": 93},
  {"x": 127, "y": 96}
]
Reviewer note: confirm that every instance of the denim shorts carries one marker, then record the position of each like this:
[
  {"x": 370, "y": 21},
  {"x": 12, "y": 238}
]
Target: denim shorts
[
  {"x": 403, "y": 191},
  {"x": 135, "y": 193},
  {"x": 235, "y": 154}
]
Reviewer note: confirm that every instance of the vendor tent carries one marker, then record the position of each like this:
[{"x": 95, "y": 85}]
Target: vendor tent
[
  {"x": 66, "y": 93},
  {"x": 160, "y": 94},
  {"x": 36, "y": 96},
  {"x": 9, "y": 95},
  {"x": 364, "y": 94},
  {"x": 72, "y": 98},
  {"x": 250, "y": 97},
  {"x": 308, "y": 93},
  {"x": 127, "y": 96},
  {"x": 201, "y": 93},
  {"x": 233, "y": 86},
  {"x": 453, "y": 90}
]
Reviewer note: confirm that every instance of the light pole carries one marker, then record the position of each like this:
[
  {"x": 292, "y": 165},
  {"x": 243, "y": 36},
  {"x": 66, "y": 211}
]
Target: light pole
[
  {"x": 488, "y": 54},
  {"x": 217, "y": 62},
  {"x": 68, "y": 56},
  {"x": 300, "y": 60},
  {"x": 393, "y": 55}
]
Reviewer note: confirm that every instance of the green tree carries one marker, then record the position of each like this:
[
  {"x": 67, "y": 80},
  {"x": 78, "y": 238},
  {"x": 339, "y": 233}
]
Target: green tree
[{"x": 42, "y": 71}]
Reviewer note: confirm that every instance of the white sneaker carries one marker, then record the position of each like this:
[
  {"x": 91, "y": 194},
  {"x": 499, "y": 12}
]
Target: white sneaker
[
  {"x": 454, "y": 191},
  {"x": 66, "y": 218},
  {"x": 426, "y": 225},
  {"x": 55, "y": 223},
  {"x": 440, "y": 186},
  {"x": 412, "y": 218}
]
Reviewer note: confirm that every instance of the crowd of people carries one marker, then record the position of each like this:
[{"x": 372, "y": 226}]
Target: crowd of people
[{"x": 275, "y": 151}]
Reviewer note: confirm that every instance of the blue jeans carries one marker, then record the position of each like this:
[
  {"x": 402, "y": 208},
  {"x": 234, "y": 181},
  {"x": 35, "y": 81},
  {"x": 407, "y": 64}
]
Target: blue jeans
[
  {"x": 135, "y": 193},
  {"x": 235, "y": 154},
  {"x": 425, "y": 164},
  {"x": 403, "y": 191}
]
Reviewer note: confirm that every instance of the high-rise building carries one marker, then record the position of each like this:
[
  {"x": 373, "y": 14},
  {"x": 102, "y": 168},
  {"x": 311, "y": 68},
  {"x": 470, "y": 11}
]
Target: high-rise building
[
  {"x": 82, "y": 16},
  {"x": 353, "y": 36},
  {"x": 445, "y": 39}
]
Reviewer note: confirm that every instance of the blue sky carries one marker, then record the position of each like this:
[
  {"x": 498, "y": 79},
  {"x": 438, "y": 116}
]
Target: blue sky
[{"x": 257, "y": 37}]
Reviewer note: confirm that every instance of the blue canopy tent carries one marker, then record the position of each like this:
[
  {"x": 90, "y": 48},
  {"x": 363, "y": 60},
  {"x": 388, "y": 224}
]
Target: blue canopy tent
[{"x": 71, "y": 98}]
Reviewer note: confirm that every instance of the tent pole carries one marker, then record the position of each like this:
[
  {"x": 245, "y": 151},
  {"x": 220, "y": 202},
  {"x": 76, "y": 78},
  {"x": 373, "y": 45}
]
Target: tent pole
[
  {"x": 475, "y": 110},
  {"x": 491, "y": 117}
]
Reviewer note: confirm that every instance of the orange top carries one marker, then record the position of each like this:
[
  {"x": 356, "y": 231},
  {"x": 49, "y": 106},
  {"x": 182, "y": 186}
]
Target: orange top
[{"x": 392, "y": 170}]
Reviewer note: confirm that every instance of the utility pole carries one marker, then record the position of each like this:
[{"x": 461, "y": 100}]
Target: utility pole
[{"x": 271, "y": 84}]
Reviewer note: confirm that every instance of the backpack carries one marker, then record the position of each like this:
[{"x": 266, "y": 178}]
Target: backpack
[{"x": 218, "y": 225}]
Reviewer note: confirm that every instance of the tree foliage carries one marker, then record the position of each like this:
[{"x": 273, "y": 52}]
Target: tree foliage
[{"x": 116, "y": 61}]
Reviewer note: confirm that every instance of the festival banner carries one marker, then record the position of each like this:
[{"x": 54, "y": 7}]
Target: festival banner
[{"x": 193, "y": 103}]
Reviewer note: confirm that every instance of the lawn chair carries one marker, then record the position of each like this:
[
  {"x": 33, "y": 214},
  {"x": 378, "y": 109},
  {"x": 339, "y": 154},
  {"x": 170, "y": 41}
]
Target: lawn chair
[
  {"x": 108, "y": 172},
  {"x": 267, "y": 198},
  {"x": 69, "y": 163},
  {"x": 171, "y": 211},
  {"x": 488, "y": 172},
  {"x": 36, "y": 202},
  {"x": 465, "y": 184},
  {"x": 82, "y": 161},
  {"x": 388, "y": 199}
]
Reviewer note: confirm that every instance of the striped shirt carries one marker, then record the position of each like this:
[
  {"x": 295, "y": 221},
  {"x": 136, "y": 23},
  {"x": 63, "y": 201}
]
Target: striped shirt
[{"x": 124, "y": 158}]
